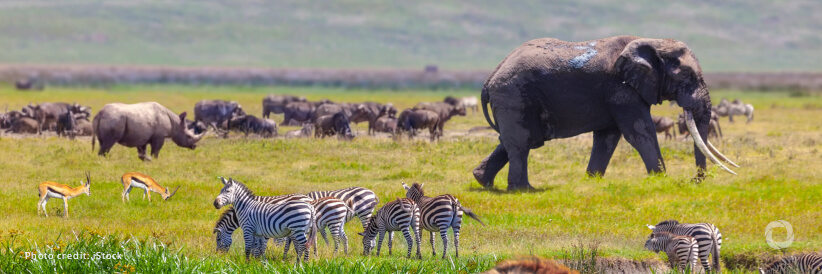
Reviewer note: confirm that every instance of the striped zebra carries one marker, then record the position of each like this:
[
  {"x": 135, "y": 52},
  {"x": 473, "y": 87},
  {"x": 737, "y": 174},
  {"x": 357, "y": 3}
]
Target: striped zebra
[
  {"x": 438, "y": 214},
  {"x": 706, "y": 235},
  {"x": 396, "y": 215},
  {"x": 683, "y": 249},
  {"x": 806, "y": 263},
  {"x": 364, "y": 200},
  {"x": 228, "y": 221},
  {"x": 258, "y": 220},
  {"x": 332, "y": 213}
]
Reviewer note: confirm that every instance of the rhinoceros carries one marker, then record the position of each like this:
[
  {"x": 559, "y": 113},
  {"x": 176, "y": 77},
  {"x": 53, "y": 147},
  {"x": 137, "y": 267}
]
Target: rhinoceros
[{"x": 138, "y": 125}]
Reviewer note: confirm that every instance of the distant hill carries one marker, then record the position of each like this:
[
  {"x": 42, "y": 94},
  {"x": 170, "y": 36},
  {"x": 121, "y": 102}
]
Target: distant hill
[{"x": 757, "y": 35}]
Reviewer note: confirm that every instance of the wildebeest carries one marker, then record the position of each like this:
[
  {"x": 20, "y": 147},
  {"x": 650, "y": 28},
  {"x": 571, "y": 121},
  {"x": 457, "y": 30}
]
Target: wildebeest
[
  {"x": 66, "y": 125},
  {"x": 303, "y": 132},
  {"x": 466, "y": 102},
  {"x": 139, "y": 125},
  {"x": 28, "y": 84},
  {"x": 725, "y": 108},
  {"x": 331, "y": 109},
  {"x": 664, "y": 124},
  {"x": 297, "y": 113},
  {"x": 713, "y": 130},
  {"x": 253, "y": 124},
  {"x": 23, "y": 124},
  {"x": 196, "y": 127},
  {"x": 388, "y": 109},
  {"x": 83, "y": 127},
  {"x": 276, "y": 103},
  {"x": 412, "y": 119},
  {"x": 215, "y": 112},
  {"x": 385, "y": 124},
  {"x": 47, "y": 114},
  {"x": 444, "y": 110},
  {"x": 367, "y": 112},
  {"x": 329, "y": 125}
]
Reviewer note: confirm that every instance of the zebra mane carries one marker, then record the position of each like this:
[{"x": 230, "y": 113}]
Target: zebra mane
[
  {"x": 243, "y": 188},
  {"x": 418, "y": 187},
  {"x": 223, "y": 218},
  {"x": 668, "y": 222},
  {"x": 665, "y": 234}
]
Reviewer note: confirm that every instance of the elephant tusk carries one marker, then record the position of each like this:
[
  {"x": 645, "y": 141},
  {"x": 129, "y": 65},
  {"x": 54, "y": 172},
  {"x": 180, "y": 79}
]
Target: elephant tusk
[
  {"x": 719, "y": 155},
  {"x": 689, "y": 121}
]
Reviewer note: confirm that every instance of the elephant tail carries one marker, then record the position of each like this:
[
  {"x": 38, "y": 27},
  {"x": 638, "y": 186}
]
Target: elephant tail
[{"x": 484, "y": 98}]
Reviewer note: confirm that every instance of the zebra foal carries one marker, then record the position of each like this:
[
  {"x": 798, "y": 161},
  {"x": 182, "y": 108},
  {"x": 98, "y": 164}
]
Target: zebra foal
[
  {"x": 682, "y": 249},
  {"x": 396, "y": 215}
]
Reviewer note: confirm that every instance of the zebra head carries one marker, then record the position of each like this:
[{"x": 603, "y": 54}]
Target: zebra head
[
  {"x": 369, "y": 235},
  {"x": 657, "y": 241},
  {"x": 232, "y": 191},
  {"x": 223, "y": 240},
  {"x": 414, "y": 192},
  {"x": 224, "y": 228}
]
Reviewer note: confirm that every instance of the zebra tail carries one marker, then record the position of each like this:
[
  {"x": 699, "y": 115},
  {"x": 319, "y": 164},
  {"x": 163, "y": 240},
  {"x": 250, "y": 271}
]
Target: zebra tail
[
  {"x": 312, "y": 235},
  {"x": 715, "y": 252},
  {"x": 471, "y": 214}
]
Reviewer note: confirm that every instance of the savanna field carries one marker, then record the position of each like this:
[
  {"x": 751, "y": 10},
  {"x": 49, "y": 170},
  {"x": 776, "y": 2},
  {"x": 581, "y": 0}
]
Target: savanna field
[{"x": 570, "y": 213}]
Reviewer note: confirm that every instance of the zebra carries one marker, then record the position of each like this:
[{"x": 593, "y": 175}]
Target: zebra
[
  {"x": 364, "y": 200},
  {"x": 262, "y": 220},
  {"x": 438, "y": 214},
  {"x": 228, "y": 222},
  {"x": 805, "y": 263},
  {"x": 679, "y": 248},
  {"x": 332, "y": 213},
  {"x": 396, "y": 215},
  {"x": 706, "y": 235}
]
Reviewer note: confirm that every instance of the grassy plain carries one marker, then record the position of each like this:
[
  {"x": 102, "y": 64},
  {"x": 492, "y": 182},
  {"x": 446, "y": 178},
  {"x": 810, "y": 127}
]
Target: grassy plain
[{"x": 779, "y": 180}]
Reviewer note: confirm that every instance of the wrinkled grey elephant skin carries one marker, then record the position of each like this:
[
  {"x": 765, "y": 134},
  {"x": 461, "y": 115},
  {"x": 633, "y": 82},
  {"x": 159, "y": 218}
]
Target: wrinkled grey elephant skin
[{"x": 549, "y": 89}]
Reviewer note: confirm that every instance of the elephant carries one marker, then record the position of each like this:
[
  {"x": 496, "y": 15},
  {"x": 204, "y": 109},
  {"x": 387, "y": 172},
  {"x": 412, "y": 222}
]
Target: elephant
[
  {"x": 274, "y": 103},
  {"x": 725, "y": 108},
  {"x": 303, "y": 132},
  {"x": 549, "y": 89},
  {"x": 412, "y": 119},
  {"x": 664, "y": 124},
  {"x": 138, "y": 125}
]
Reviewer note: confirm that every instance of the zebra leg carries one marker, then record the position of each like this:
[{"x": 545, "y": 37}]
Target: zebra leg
[
  {"x": 248, "y": 236},
  {"x": 408, "y": 240},
  {"x": 379, "y": 241},
  {"x": 335, "y": 236},
  {"x": 444, "y": 236},
  {"x": 287, "y": 245},
  {"x": 344, "y": 239},
  {"x": 390, "y": 241},
  {"x": 433, "y": 248},
  {"x": 418, "y": 238},
  {"x": 456, "y": 230}
]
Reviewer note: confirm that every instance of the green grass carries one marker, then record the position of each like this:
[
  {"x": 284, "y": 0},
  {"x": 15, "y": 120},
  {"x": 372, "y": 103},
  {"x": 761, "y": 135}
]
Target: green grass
[
  {"x": 756, "y": 35},
  {"x": 778, "y": 180}
]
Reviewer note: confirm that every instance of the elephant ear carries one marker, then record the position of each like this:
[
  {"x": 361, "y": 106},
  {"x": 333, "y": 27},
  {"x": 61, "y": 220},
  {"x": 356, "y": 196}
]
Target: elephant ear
[{"x": 640, "y": 66}]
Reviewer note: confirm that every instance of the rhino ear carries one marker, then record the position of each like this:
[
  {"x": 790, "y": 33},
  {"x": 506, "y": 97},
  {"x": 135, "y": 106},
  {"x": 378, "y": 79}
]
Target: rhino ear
[{"x": 183, "y": 118}]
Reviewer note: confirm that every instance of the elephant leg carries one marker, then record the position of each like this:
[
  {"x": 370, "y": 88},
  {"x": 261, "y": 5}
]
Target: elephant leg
[
  {"x": 487, "y": 170},
  {"x": 156, "y": 145},
  {"x": 605, "y": 142},
  {"x": 141, "y": 153},
  {"x": 638, "y": 128},
  {"x": 518, "y": 150}
]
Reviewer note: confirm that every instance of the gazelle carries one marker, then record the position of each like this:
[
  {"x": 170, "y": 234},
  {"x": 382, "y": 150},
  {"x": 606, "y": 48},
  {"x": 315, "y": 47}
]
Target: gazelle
[
  {"x": 139, "y": 180},
  {"x": 56, "y": 190}
]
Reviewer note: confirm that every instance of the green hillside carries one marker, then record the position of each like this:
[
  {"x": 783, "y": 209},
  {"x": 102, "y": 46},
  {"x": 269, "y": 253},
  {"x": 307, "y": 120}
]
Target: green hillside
[{"x": 758, "y": 35}]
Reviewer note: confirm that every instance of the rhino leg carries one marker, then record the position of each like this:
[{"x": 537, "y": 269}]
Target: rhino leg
[
  {"x": 141, "y": 153},
  {"x": 156, "y": 145}
]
